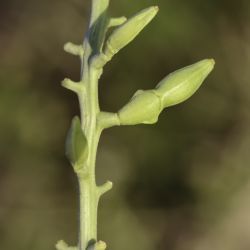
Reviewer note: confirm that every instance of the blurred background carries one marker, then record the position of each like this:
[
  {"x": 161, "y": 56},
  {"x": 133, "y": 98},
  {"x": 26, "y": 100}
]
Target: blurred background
[{"x": 182, "y": 184}]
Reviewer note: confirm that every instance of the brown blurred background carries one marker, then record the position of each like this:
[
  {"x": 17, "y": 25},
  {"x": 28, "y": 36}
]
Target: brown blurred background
[{"x": 182, "y": 184}]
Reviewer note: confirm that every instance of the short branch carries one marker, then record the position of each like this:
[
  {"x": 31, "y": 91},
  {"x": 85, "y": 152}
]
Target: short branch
[
  {"x": 104, "y": 188},
  {"x": 76, "y": 50},
  {"x": 71, "y": 85},
  {"x": 100, "y": 245},
  {"x": 108, "y": 120},
  {"x": 99, "y": 61},
  {"x": 61, "y": 245}
]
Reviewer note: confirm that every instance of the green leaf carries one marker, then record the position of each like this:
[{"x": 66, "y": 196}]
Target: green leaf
[
  {"x": 183, "y": 83},
  {"x": 126, "y": 32},
  {"x": 76, "y": 144}
]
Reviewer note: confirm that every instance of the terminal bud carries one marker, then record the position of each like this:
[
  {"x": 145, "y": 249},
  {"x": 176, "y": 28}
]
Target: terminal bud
[
  {"x": 183, "y": 83},
  {"x": 126, "y": 32}
]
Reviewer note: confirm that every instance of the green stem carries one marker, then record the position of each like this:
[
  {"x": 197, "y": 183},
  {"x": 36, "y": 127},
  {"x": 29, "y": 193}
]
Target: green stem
[
  {"x": 89, "y": 106},
  {"x": 144, "y": 107},
  {"x": 88, "y": 190},
  {"x": 93, "y": 122}
]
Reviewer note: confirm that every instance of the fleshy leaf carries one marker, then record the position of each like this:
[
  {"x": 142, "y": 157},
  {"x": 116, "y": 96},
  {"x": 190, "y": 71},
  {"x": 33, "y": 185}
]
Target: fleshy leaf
[
  {"x": 76, "y": 144},
  {"x": 126, "y": 32}
]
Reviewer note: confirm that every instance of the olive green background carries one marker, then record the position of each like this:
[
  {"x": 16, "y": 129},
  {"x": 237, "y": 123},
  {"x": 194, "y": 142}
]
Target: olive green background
[{"x": 182, "y": 184}]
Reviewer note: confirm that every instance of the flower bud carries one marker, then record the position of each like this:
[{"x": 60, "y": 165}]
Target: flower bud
[
  {"x": 126, "y": 32},
  {"x": 183, "y": 83},
  {"x": 144, "y": 107},
  {"x": 76, "y": 144}
]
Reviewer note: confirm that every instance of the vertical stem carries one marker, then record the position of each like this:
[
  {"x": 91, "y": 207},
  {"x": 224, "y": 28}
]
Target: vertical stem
[
  {"x": 88, "y": 211},
  {"x": 89, "y": 107},
  {"x": 87, "y": 183}
]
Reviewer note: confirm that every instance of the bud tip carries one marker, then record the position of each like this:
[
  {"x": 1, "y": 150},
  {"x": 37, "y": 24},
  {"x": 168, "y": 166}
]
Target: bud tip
[
  {"x": 212, "y": 61},
  {"x": 156, "y": 8}
]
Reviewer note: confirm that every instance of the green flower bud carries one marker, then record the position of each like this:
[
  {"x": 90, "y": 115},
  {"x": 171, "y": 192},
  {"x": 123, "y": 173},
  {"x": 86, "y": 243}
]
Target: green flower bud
[
  {"x": 76, "y": 145},
  {"x": 144, "y": 107},
  {"x": 126, "y": 32},
  {"x": 183, "y": 83}
]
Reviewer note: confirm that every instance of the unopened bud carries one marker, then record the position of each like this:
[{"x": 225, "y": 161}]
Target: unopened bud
[
  {"x": 125, "y": 33},
  {"x": 183, "y": 83},
  {"x": 144, "y": 107}
]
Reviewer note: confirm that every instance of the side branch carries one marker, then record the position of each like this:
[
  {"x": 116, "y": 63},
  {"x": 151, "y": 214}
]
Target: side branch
[
  {"x": 61, "y": 245},
  {"x": 108, "y": 120},
  {"x": 73, "y": 86},
  {"x": 76, "y": 50},
  {"x": 100, "y": 245},
  {"x": 104, "y": 188}
]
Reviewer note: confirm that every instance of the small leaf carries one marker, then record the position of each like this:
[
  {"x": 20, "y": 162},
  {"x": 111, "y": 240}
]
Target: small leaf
[
  {"x": 76, "y": 144},
  {"x": 144, "y": 107},
  {"x": 183, "y": 83},
  {"x": 125, "y": 33}
]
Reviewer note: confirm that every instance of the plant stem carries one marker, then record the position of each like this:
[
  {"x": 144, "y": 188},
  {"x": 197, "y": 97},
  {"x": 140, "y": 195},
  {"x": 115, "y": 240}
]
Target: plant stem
[
  {"x": 89, "y": 107},
  {"x": 88, "y": 190}
]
